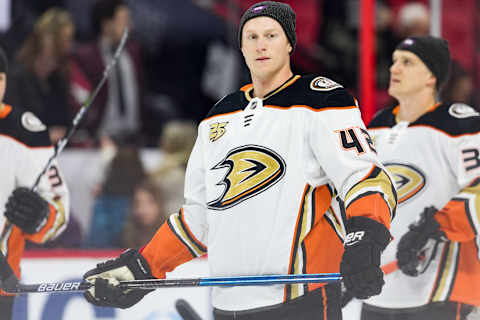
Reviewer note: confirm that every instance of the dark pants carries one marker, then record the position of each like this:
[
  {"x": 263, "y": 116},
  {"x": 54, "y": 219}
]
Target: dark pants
[
  {"x": 6, "y": 307},
  {"x": 321, "y": 304},
  {"x": 434, "y": 311}
]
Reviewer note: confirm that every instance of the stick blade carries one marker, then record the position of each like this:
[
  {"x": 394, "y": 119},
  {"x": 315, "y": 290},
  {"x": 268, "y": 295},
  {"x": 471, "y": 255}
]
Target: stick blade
[{"x": 186, "y": 310}]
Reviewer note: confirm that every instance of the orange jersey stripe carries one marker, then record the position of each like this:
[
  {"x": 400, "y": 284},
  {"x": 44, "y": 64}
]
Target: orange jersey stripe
[
  {"x": 454, "y": 220},
  {"x": 165, "y": 251},
  {"x": 15, "y": 247},
  {"x": 372, "y": 206}
]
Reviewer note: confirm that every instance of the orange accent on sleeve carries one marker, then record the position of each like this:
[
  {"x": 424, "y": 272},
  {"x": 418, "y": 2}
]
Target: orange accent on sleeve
[
  {"x": 16, "y": 245},
  {"x": 390, "y": 267},
  {"x": 372, "y": 206},
  {"x": 40, "y": 235},
  {"x": 453, "y": 220},
  {"x": 165, "y": 252}
]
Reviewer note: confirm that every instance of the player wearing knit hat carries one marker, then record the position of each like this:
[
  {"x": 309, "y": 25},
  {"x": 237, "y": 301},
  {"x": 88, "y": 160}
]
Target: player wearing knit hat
[
  {"x": 433, "y": 52},
  {"x": 259, "y": 192},
  {"x": 432, "y": 150}
]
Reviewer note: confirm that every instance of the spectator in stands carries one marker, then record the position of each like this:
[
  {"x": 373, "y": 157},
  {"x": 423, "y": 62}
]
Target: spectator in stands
[
  {"x": 146, "y": 215},
  {"x": 413, "y": 20},
  {"x": 177, "y": 140},
  {"x": 39, "y": 77},
  {"x": 124, "y": 170},
  {"x": 117, "y": 110}
]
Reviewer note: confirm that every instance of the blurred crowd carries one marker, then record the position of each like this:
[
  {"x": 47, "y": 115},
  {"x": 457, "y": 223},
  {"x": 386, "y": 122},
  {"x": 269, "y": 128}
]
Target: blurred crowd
[{"x": 180, "y": 58}]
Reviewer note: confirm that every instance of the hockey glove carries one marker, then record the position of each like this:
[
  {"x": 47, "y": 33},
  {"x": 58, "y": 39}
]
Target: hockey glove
[
  {"x": 27, "y": 210},
  {"x": 418, "y": 246},
  {"x": 360, "y": 266},
  {"x": 131, "y": 265}
]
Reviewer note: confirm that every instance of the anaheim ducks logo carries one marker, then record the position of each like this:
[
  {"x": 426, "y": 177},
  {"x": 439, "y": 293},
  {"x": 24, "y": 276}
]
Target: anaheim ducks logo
[
  {"x": 217, "y": 130},
  {"x": 409, "y": 181},
  {"x": 251, "y": 170},
  {"x": 324, "y": 84}
]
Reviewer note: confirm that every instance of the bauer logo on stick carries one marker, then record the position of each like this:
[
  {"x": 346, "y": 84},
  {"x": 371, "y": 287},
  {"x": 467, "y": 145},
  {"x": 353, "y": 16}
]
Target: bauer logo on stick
[{"x": 62, "y": 286}]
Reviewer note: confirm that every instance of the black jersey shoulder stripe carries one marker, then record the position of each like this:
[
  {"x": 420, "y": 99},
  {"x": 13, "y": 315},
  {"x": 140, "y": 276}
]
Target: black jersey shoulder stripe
[
  {"x": 300, "y": 93},
  {"x": 442, "y": 119},
  {"x": 11, "y": 126},
  {"x": 383, "y": 118},
  {"x": 233, "y": 102}
]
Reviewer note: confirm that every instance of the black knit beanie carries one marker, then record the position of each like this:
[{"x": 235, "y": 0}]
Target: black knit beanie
[
  {"x": 281, "y": 12},
  {"x": 3, "y": 61},
  {"x": 433, "y": 52}
]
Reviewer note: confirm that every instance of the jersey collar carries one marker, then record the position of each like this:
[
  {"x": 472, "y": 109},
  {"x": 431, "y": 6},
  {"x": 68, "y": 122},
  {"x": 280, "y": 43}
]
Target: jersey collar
[{"x": 248, "y": 89}]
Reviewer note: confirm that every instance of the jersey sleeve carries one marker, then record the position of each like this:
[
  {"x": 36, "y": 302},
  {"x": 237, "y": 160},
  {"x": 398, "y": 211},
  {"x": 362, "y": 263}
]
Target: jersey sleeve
[
  {"x": 51, "y": 187},
  {"x": 348, "y": 157},
  {"x": 460, "y": 217},
  {"x": 182, "y": 237}
]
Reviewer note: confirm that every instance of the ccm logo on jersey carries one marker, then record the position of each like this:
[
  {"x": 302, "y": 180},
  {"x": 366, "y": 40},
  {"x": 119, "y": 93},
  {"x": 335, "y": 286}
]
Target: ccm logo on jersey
[
  {"x": 354, "y": 237},
  {"x": 217, "y": 130},
  {"x": 409, "y": 180},
  {"x": 251, "y": 169}
]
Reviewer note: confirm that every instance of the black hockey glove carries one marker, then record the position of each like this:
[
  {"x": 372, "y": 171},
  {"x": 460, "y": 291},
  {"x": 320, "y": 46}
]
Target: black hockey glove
[
  {"x": 27, "y": 210},
  {"x": 360, "y": 266},
  {"x": 418, "y": 246},
  {"x": 131, "y": 265}
]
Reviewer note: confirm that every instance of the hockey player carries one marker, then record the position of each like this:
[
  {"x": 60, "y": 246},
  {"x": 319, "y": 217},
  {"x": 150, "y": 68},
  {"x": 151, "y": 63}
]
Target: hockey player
[
  {"x": 259, "y": 187},
  {"x": 432, "y": 150},
  {"x": 36, "y": 216}
]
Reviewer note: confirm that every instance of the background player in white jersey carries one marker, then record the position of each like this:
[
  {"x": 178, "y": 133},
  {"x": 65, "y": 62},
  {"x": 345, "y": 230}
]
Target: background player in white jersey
[
  {"x": 261, "y": 179},
  {"x": 36, "y": 216},
  {"x": 432, "y": 150}
]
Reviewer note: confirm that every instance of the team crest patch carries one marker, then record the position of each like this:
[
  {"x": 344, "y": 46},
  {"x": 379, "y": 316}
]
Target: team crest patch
[
  {"x": 250, "y": 170},
  {"x": 324, "y": 84},
  {"x": 409, "y": 180},
  {"x": 462, "y": 110},
  {"x": 32, "y": 123},
  {"x": 217, "y": 130}
]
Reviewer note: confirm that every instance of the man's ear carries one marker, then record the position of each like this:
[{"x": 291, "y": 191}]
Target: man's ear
[{"x": 432, "y": 81}]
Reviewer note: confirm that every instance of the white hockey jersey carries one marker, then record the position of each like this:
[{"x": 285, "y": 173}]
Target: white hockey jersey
[
  {"x": 259, "y": 187},
  {"x": 25, "y": 149},
  {"x": 434, "y": 162}
]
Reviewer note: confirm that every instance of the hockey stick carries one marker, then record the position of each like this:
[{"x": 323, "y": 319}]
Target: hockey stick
[
  {"x": 79, "y": 116},
  {"x": 9, "y": 282},
  {"x": 60, "y": 145}
]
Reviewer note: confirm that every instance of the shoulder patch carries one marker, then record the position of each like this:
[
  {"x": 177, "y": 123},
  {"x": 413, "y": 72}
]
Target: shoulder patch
[
  {"x": 32, "y": 123},
  {"x": 462, "y": 110},
  {"x": 324, "y": 84}
]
